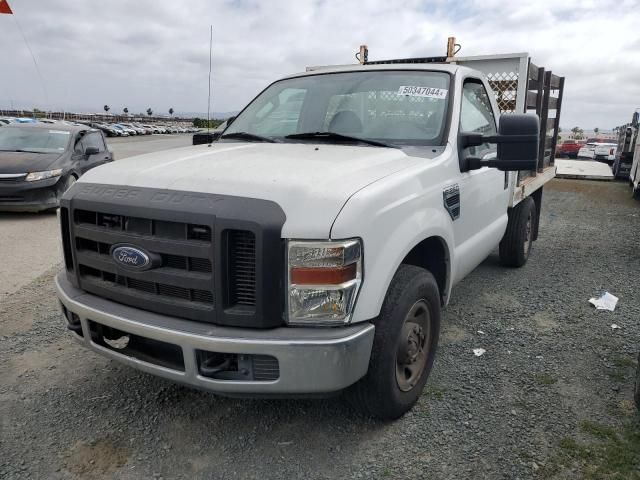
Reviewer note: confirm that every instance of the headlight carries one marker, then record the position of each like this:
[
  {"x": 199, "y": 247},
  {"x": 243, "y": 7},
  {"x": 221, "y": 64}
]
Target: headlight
[
  {"x": 323, "y": 281},
  {"x": 33, "y": 176}
]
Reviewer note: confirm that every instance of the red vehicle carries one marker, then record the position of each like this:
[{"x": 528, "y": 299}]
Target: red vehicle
[{"x": 568, "y": 148}]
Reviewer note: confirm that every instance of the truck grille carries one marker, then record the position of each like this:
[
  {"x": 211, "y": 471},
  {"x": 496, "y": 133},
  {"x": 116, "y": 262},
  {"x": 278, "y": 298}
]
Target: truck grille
[
  {"x": 182, "y": 285},
  {"x": 214, "y": 258},
  {"x": 242, "y": 267}
]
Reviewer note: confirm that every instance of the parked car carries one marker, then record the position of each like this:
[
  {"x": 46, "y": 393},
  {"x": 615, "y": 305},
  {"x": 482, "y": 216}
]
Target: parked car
[
  {"x": 130, "y": 130},
  {"x": 153, "y": 128},
  {"x": 587, "y": 151},
  {"x": 634, "y": 173},
  {"x": 108, "y": 130},
  {"x": 202, "y": 137},
  {"x": 25, "y": 120},
  {"x": 138, "y": 130},
  {"x": 39, "y": 162},
  {"x": 145, "y": 130},
  {"x": 122, "y": 132},
  {"x": 605, "y": 152},
  {"x": 568, "y": 148}
]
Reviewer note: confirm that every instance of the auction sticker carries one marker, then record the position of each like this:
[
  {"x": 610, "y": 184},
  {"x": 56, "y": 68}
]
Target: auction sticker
[{"x": 427, "y": 92}]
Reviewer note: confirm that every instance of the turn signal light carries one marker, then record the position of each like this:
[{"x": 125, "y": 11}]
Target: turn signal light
[{"x": 323, "y": 276}]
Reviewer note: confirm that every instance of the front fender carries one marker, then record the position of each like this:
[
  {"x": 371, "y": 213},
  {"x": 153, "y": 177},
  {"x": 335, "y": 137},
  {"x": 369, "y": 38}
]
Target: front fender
[{"x": 392, "y": 217}]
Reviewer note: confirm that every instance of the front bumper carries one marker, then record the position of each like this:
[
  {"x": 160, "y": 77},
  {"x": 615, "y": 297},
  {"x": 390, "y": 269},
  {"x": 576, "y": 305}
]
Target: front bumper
[
  {"x": 30, "y": 196},
  {"x": 311, "y": 360}
]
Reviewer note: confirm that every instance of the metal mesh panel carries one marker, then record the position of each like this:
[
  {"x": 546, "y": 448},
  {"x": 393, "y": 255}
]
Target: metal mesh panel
[{"x": 505, "y": 86}]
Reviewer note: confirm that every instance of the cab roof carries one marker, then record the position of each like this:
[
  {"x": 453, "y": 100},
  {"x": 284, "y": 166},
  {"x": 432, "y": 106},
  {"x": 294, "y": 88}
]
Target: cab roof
[{"x": 431, "y": 67}]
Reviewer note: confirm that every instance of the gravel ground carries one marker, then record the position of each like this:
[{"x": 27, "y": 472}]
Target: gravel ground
[{"x": 552, "y": 363}]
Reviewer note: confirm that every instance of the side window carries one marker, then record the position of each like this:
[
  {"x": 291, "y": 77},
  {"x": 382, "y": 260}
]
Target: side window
[
  {"x": 93, "y": 139},
  {"x": 476, "y": 115},
  {"x": 280, "y": 116},
  {"x": 79, "y": 146}
]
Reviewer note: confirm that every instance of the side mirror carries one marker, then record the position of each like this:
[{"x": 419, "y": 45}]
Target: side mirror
[
  {"x": 91, "y": 151},
  {"x": 518, "y": 140}
]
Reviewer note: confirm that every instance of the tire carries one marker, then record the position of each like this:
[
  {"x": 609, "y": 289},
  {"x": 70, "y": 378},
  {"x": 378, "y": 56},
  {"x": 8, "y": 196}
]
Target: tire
[
  {"x": 635, "y": 193},
  {"x": 515, "y": 246},
  {"x": 404, "y": 346}
]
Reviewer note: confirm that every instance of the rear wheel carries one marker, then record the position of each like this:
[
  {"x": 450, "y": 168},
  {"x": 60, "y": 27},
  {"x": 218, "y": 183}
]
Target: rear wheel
[
  {"x": 515, "y": 246},
  {"x": 404, "y": 346}
]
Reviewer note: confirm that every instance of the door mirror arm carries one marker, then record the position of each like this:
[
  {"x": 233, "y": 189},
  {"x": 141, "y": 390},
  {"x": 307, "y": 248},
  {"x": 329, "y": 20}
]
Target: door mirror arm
[{"x": 476, "y": 139}]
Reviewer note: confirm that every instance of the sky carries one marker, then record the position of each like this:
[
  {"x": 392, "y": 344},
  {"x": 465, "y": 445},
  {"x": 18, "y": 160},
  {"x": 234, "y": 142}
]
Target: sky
[{"x": 155, "y": 53}]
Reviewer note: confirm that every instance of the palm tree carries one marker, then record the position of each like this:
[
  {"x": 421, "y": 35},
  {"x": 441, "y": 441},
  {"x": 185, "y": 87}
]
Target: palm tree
[
  {"x": 149, "y": 111},
  {"x": 596, "y": 130},
  {"x": 106, "y": 108},
  {"x": 171, "y": 111},
  {"x": 125, "y": 110},
  {"x": 575, "y": 131}
]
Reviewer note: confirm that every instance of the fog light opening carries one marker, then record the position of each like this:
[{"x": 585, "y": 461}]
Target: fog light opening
[{"x": 119, "y": 343}]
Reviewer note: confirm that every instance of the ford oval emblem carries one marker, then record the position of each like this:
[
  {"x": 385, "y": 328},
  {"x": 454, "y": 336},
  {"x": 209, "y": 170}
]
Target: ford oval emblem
[{"x": 131, "y": 257}]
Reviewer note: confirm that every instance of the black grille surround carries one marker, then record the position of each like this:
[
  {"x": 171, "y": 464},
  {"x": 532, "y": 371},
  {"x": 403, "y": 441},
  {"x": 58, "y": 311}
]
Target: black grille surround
[{"x": 222, "y": 256}]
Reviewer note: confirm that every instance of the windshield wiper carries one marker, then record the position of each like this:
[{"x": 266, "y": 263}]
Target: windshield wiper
[
  {"x": 249, "y": 136},
  {"x": 338, "y": 136}
]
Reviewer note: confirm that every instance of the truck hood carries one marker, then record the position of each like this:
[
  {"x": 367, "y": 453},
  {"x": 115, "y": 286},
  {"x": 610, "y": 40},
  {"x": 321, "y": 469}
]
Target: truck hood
[
  {"x": 24, "y": 162},
  {"x": 310, "y": 182}
]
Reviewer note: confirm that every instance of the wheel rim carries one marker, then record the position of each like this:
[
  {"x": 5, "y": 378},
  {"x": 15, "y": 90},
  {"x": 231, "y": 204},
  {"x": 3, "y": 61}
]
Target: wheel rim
[
  {"x": 413, "y": 346},
  {"x": 527, "y": 235}
]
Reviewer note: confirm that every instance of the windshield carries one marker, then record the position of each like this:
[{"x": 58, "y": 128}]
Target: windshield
[
  {"x": 397, "y": 107},
  {"x": 37, "y": 140}
]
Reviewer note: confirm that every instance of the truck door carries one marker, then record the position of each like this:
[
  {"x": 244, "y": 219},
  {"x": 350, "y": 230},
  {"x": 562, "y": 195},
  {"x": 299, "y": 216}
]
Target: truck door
[{"x": 484, "y": 192}]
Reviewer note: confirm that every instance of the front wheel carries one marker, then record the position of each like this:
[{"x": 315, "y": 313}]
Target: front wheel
[{"x": 404, "y": 346}]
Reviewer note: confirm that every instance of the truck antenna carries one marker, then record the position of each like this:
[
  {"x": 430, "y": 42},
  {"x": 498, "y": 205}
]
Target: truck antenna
[{"x": 209, "y": 97}]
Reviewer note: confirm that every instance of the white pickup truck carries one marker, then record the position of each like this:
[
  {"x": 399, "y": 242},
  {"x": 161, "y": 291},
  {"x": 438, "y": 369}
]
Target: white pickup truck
[
  {"x": 605, "y": 152},
  {"x": 311, "y": 248}
]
